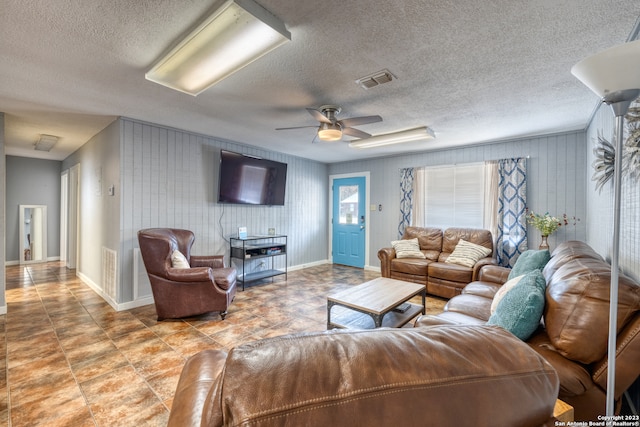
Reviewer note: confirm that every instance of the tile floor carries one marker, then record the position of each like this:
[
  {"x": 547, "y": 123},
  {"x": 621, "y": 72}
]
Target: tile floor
[{"x": 72, "y": 360}]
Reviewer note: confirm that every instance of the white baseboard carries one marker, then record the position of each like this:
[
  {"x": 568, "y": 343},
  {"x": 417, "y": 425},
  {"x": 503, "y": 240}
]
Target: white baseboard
[{"x": 311, "y": 264}]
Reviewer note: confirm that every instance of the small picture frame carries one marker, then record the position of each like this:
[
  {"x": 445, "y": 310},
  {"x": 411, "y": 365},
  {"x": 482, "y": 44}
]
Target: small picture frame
[
  {"x": 242, "y": 232},
  {"x": 272, "y": 231}
]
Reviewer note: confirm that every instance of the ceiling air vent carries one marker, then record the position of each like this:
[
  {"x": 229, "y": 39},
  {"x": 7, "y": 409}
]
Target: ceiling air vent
[{"x": 375, "y": 79}]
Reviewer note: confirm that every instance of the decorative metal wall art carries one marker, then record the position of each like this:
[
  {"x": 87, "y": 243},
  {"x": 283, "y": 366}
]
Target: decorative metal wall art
[
  {"x": 631, "y": 157},
  {"x": 605, "y": 152}
]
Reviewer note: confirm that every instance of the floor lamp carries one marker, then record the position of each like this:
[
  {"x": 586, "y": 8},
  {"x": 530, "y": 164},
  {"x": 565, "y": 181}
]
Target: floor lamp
[{"x": 614, "y": 75}]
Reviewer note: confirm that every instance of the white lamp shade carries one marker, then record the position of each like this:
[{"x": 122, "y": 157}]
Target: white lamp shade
[{"x": 612, "y": 70}]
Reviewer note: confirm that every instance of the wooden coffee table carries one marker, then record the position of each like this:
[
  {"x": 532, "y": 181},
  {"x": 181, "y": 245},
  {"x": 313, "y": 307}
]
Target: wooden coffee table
[{"x": 374, "y": 300}]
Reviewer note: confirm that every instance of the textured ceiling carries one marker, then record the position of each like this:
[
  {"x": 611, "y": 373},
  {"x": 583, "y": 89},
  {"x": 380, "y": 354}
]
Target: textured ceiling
[{"x": 473, "y": 71}]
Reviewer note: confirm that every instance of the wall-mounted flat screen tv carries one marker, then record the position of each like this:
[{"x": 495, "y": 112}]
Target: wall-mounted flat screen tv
[{"x": 251, "y": 180}]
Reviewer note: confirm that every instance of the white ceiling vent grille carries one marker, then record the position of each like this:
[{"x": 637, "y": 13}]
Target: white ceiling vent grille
[{"x": 375, "y": 79}]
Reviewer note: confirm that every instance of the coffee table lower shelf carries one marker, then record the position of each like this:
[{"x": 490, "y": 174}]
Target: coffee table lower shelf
[{"x": 352, "y": 319}]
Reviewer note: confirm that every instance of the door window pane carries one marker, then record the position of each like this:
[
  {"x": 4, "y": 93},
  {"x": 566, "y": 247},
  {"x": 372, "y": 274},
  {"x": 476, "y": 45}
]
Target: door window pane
[{"x": 348, "y": 204}]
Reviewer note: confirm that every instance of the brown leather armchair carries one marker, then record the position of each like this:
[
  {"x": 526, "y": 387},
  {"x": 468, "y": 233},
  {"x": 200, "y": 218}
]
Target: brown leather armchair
[{"x": 181, "y": 292}]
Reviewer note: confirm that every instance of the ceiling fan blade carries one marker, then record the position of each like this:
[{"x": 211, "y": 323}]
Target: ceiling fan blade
[
  {"x": 297, "y": 127},
  {"x": 357, "y": 121},
  {"x": 355, "y": 132},
  {"x": 318, "y": 115}
]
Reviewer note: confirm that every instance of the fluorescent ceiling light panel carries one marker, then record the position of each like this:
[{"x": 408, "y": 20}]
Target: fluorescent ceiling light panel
[
  {"x": 234, "y": 36},
  {"x": 394, "y": 138}
]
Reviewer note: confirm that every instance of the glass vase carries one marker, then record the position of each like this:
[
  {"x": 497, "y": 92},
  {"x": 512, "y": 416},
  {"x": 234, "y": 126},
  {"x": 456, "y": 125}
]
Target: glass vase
[{"x": 544, "y": 244}]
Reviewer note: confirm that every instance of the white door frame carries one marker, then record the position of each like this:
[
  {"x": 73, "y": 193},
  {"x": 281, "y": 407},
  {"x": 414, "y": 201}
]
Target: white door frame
[
  {"x": 64, "y": 213},
  {"x": 366, "y": 175},
  {"x": 73, "y": 214}
]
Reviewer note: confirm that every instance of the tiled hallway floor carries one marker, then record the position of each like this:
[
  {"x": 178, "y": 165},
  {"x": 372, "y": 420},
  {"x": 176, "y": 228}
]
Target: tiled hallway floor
[{"x": 72, "y": 360}]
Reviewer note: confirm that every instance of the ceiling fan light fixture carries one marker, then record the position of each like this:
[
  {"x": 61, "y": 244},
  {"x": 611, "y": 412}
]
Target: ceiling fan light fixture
[
  {"x": 330, "y": 132},
  {"x": 235, "y": 35},
  {"x": 409, "y": 135}
]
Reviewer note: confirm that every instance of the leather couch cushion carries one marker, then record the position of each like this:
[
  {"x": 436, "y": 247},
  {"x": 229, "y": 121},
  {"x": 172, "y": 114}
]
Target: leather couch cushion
[
  {"x": 452, "y": 272},
  {"x": 472, "y": 305},
  {"x": 320, "y": 379},
  {"x": 414, "y": 266},
  {"x": 566, "y": 252},
  {"x": 520, "y": 310},
  {"x": 452, "y": 235},
  {"x": 577, "y": 312},
  {"x": 449, "y": 318},
  {"x": 483, "y": 289},
  {"x": 528, "y": 261},
  {"x": 430, "y": 238},
  {"x": 574, "y": 377}
]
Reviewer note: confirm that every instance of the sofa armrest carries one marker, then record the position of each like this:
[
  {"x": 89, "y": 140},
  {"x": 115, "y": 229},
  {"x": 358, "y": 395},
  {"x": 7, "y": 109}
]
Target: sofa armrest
[
  {"x": 385, "y": 255},
  {"x": 478, "y": 266},
  {"x": 494, "y": 274},
  {"x": 212, "y": 261},
  {"x": 196, "y": 380},
  {"x": 196, "y": 274},
  {"x": 627, "y": 356}
]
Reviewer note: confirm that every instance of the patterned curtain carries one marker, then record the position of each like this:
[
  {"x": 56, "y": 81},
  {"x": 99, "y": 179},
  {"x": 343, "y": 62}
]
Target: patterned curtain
[
  {"x": 406, "y": 199},
  {"x": 512, "y": 202}
]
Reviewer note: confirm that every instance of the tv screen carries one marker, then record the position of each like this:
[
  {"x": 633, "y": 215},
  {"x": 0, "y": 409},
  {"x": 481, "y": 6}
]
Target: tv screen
[{"x": 251, "y": 180}]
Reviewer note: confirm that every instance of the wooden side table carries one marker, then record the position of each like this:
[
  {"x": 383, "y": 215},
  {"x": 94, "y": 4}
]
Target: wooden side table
[{"x": 563, "y": 411}]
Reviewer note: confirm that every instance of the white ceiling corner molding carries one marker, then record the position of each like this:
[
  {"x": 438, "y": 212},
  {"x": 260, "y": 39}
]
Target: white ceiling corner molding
[
  {"x": 235, "y": 35},
  {"x": 417, "y": 134}
]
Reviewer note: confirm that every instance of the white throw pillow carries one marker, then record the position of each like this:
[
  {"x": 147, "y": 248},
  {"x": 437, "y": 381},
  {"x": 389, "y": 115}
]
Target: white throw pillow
[
  {"x": 506, "y": 287},
  {"x": 467, "y": 254},
  {"x": 407, "y": 248},
  {"x": 178, "y": 260}
]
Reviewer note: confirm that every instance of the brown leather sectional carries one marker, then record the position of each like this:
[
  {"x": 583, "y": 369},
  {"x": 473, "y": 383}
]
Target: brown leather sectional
[
  {"x": 441, "y": 278},
  {"x": 437, "y": 376},
  {"x": 573, "y": 333}
]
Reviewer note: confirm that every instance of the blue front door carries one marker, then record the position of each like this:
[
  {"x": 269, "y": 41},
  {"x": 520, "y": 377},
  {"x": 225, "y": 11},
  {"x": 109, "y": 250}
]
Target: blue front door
[{"x": 348, "y": 241}]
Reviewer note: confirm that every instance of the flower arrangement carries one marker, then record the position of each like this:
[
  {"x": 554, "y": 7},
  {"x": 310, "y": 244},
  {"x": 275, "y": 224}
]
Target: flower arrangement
[{"x": 548, "y": 224}]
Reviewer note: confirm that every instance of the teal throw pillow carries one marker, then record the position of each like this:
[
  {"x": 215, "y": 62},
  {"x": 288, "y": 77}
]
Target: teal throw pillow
[
  {"x": 520, "y": 310},
  {"x": 529, "y": 261}
]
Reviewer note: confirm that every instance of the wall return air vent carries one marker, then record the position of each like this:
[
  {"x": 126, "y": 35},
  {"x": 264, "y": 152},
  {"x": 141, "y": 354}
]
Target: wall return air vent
[{"x": 375, "y": 79}]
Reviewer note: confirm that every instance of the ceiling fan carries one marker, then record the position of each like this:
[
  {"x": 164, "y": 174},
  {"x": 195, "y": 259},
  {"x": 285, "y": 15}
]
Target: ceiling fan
[{"x": 332, "y": 129}]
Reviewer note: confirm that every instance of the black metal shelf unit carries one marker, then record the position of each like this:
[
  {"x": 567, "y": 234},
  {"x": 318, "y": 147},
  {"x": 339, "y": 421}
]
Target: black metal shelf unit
[{"x": 256, "y": 247}]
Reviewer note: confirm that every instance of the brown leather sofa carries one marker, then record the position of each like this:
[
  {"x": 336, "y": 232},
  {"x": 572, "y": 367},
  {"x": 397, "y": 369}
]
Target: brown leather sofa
[
  {"x": 181, "y": 292},
  {"x": 573, "y": 333},
  {"x": 440, "y": 376},
  {"x": 441, "y": 279}
]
